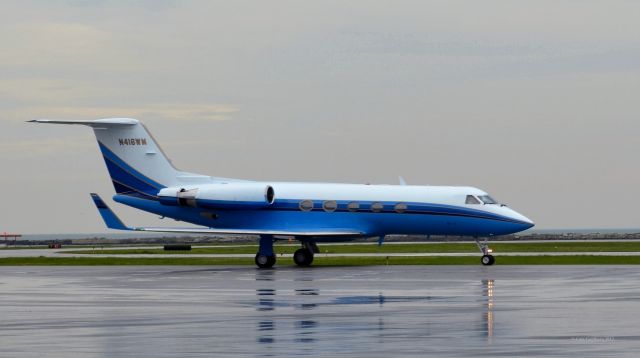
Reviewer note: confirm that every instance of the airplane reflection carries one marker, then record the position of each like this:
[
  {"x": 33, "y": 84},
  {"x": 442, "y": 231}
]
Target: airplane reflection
[
  {"x": 307, "y": 292},
  {"x": 265, "y": 299},
  {"x": 266, "y": 303},
  {"x": 295, "y": 312},
  {"x": 304, "y": 326},
  {"x": 265, "y": 275},
  {"x": 487, "y": 315},
  {"x": 266, "y": 335}
]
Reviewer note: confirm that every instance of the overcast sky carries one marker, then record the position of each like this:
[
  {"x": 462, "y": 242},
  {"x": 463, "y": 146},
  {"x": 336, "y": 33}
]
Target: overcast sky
[{"x": 536, "y": 102}]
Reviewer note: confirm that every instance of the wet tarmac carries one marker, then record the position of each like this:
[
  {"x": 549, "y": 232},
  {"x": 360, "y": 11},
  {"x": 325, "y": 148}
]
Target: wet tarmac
[
  {"x": 381, "y": 311},
  {"x": 93, "y": 252}
]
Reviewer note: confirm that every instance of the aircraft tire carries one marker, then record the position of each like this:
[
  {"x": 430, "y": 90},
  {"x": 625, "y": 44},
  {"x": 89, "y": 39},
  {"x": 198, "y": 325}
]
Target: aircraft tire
[
  {"x": 264, "y": 261},
  {"x": 487, "y": 260},
  {"x": 303, "y": 257}
]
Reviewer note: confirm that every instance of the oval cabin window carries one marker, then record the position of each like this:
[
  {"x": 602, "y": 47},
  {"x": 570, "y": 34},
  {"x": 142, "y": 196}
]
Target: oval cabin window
[
  {"x": 306, "y": 205},
  {"x": 353, "y": 206},
  {"x": 400, "y": 208},
  {"x": 330, "y": 205},
  {"x": 377, "y": 207}
]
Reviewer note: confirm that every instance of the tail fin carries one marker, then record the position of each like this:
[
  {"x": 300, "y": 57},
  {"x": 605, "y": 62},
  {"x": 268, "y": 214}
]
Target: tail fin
[{"x": 135, "y": 161}]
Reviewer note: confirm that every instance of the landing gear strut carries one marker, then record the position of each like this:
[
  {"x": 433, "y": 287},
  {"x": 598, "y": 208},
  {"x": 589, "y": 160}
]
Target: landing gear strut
[
  {"x": 487, "y": 259},
  {"x": 304, "y": 256},
  {"x": 265, "y": 258}
]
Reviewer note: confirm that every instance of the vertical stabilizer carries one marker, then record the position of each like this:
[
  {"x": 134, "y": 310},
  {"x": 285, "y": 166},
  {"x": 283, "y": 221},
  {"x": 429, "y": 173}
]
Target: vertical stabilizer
[{"x": 136, "y": 163}]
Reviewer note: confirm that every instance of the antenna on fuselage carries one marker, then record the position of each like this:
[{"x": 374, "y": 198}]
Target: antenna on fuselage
[{"x": 401, "y": 180}]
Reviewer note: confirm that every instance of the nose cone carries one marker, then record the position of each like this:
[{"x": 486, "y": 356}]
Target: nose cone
[{"x": 522, "y": 220}]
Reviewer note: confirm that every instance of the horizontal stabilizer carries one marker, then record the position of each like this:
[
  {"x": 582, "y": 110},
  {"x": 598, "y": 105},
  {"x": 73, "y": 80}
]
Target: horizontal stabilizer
[
  {"x": 92, "y": 123},
  {"x": 113, "y": 222}
]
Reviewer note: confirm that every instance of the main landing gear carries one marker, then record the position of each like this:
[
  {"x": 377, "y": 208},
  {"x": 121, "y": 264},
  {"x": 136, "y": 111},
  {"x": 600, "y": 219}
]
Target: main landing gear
[
  {"x": 265, "y": 258},
  {"x": 304, "y": 256},
  {"x": 265, "y": 261},
  {"x": 487, "y": 259}
]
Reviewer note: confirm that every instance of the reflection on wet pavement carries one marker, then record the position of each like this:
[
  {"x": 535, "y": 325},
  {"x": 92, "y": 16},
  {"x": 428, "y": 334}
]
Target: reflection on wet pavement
[
  {"x": 372, "y": 311},
  {"x": 487, "y": 292}
]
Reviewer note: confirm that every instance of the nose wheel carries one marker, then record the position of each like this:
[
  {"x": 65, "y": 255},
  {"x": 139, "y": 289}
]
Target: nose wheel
[{"x": 487, "y": 259}]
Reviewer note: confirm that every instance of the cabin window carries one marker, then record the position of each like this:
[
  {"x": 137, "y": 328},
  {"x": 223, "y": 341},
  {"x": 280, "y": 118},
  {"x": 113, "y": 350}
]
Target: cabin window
[
  {"x": 472, "y": 200},
  {"x": 377, "y": 207},
  {"x": 353, "y": 206},
  {"x": 400, "y": 208},
  {"x": 330, "y": 205},
  {"x": 306, "y": 205},
  {"x": 487, "y": 199}
]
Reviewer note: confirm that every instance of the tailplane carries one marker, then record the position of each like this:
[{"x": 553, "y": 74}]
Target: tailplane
[{"x": 136, "y": 163}]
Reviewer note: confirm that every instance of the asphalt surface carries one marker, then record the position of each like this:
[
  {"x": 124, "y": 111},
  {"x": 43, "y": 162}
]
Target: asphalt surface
[{"x": 375, "y": 311}]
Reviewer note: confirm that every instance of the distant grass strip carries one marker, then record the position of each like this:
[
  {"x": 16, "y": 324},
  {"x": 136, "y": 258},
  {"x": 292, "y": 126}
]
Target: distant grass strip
[
  {"x": 403, "y": 248},
  {"x": 322, "y": 261}
]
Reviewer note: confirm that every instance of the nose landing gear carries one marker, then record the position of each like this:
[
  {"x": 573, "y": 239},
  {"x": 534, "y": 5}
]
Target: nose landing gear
[{"x": 487, "y": 259}]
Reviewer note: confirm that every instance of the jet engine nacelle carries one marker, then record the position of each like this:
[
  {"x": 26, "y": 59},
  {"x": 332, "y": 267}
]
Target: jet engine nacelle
[{"x": 220, "y": 196}]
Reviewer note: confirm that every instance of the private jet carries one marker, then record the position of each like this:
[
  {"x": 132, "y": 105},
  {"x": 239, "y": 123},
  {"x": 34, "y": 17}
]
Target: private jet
[{"x": 144, "y": 178}]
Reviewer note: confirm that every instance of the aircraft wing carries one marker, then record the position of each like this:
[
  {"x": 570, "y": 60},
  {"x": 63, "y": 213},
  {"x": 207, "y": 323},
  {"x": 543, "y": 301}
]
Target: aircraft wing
[
  {"x": 113, "y": 222},
  {"x": 214, "y": 231}
]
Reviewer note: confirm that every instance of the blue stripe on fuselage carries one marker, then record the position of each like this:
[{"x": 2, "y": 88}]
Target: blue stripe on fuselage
[
  {"x": 422, "y": 219},
  {"x": 389, "y": 208}
]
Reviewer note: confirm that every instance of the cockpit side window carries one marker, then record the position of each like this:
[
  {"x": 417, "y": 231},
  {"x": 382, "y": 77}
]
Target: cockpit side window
[
  {"x": 472, "y": 200},
  {"x": 486, "y": 199}
]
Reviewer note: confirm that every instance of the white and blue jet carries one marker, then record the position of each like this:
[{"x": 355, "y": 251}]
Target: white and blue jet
[{"x": 144, "y": 178}]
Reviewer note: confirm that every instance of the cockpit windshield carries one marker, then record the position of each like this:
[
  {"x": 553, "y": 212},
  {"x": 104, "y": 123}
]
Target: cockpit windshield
[
  {"x": 486, "y": 199},
  {"x": 472, "y": 200}
]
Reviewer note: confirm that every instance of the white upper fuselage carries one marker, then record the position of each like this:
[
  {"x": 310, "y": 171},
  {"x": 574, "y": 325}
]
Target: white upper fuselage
[
  {"x": 440, "y": 195},
  {"x": 371, "y": 209},
  {"x": 454, "y": 196}
]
